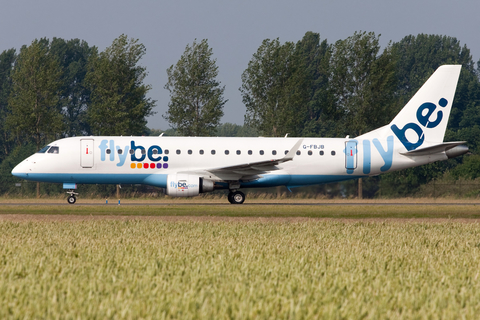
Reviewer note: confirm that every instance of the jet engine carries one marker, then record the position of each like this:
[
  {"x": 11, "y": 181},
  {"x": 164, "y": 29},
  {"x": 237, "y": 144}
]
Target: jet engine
[
  {"x": 187, "y": 185},
  {"x": 456, "y": 151}
]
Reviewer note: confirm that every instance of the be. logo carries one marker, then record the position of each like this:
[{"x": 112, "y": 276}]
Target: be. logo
[
  {"x": 424, "y": 112},
  {"x": 182, "y": 185}
]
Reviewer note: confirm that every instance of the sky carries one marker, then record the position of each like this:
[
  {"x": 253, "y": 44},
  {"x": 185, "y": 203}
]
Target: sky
[{"x": 234, "y": 29}]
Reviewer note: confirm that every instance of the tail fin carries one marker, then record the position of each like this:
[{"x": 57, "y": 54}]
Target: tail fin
[{"x": 423, "y": 120}]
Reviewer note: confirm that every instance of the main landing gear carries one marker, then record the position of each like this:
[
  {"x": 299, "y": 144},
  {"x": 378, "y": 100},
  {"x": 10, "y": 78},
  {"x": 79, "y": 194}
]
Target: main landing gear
[
  {"x": 72, "y": 199},
  {"x": 236, "y": 197}
]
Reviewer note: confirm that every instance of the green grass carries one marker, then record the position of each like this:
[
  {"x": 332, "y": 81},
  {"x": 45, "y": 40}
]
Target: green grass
[
  {"x": 227, "y": 210},
  {"x": 239, "y": 270}
]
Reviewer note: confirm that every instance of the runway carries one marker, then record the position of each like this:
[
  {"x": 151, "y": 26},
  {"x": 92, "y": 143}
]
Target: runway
[{"x": 244, "y": 204}]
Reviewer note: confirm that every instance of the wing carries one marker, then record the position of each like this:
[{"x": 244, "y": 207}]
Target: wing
[{"x": 248, "y": 171}]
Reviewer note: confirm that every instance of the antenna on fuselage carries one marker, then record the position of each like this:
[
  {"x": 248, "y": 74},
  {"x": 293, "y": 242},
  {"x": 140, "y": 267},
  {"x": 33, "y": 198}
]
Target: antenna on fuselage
[
  {"x": 286, "y": 135},
  {"x": 161, "y": 134}
]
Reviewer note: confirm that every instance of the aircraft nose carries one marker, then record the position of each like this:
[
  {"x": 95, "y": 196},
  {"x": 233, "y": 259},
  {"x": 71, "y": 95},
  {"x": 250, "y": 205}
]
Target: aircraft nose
[{"x": 21, "y": 170}]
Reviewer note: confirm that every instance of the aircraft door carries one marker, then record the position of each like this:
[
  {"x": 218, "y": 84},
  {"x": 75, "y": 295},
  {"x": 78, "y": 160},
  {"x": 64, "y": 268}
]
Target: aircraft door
[
  {"x": 86, "y": 153},
  {"x": 351, "y": 155}
]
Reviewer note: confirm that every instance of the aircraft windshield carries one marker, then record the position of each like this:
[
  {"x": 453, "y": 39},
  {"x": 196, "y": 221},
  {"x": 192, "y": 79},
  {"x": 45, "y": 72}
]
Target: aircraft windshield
[
  {"x": 53, "y": 150},
  {"x": 44, "y": 149}
]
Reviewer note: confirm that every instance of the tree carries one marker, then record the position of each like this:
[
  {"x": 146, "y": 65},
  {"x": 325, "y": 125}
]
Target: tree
[
  {"x": 119, "y": 105},
  {"x": 73, "y": 56},
  {"x": 33, "y": 102},
  {"x": 7, "y": 60},
  {"x": 196, "y": 97},
  {"x": 235, "y": 130},
  {"x": 418, "y": 57},
  {"x": 311, "y": 78},
  {"x": 363, "y": 82},
  {"x": 285, "y": 88},
  {"x": 265, "y": 91}
]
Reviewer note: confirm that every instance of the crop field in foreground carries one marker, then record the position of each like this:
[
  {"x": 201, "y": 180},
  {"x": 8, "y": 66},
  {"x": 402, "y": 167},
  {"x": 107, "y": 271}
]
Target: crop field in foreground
[{"x": 234, "y": 269}]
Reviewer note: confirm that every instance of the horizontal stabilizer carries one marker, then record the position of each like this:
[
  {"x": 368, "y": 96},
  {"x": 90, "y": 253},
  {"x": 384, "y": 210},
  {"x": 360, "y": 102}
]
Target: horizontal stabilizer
[{"x": 452, "y": 149}]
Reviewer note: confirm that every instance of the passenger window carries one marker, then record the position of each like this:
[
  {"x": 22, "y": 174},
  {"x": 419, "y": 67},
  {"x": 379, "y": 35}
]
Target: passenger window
[
  {"x": 120, "y": 151},
  {"x": 309, "y": 152},
  {"x": 144, "y": 151},
  {"x": 178, "y": 151},
  {"x": 189, "y": 151},
  {"x": 261, "y": 152},
  {"x": 227, "y": 152},
  {"x": 201, "y": 152},
  {"x": 155, "y": 151},
  {"x": 298, "y": 152},
  {"x": 274, "y": 152},
  {"x": 286, "y": 151},
  {"x": 132, "y": 151},
  {"x": 239, "y": 152},
  {"x": 250, "y": 152},
  {"x": 333, "y": 153},
  {"x": 53, "y": 150},
  {"x": 321, "y": 153},
  {"x": 166, "y": 151},
  {"x": 213, "y": 151},
  {"x": 108, "y": 151}
]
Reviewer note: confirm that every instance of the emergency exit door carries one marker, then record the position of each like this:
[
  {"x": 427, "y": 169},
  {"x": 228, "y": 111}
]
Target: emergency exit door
[
  {"x": 351, "y": 155},
  {"x": 86, "y": 153}
]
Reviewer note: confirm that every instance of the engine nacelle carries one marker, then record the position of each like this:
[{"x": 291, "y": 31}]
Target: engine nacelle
[
  {"x": 456, "y": 151},
  {"x": 187, "y": 185}
]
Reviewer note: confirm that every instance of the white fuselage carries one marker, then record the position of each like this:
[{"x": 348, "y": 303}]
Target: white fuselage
[{"x": 317, "y": 160}]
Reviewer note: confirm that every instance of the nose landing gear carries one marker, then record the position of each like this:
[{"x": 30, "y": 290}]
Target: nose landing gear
[{"x": 72, "y": 199}]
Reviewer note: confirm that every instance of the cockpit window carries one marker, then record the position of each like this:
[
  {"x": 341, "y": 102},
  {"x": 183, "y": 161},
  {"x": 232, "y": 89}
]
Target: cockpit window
[
  {"x": 44, "y": 149},
  {"x": 54, "y": 150}
]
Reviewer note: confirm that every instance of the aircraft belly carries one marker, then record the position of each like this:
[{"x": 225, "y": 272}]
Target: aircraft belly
[{"x": 101, "y": 178}]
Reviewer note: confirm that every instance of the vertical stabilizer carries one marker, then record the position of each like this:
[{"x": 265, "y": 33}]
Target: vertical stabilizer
[{"x": 423, "y": 120}]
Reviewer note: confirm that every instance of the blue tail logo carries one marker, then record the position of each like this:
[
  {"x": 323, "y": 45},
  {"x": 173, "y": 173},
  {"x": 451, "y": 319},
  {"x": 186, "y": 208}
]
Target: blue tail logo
[{"x": 424, "y": 113}]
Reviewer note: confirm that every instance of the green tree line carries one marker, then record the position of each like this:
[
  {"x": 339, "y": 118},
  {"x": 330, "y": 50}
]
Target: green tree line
[
  {"x": 58, "y": 88},
  {"x": 315, "y": 88},
  {"x": 61, "y": 88}
]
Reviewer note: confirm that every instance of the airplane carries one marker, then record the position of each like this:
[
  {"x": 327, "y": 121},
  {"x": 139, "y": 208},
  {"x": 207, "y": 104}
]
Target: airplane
[{"x": 188, "y": 166}]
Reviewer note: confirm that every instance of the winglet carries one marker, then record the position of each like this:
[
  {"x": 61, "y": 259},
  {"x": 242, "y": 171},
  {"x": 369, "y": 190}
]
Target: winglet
[{"x": 289, "y": 156}]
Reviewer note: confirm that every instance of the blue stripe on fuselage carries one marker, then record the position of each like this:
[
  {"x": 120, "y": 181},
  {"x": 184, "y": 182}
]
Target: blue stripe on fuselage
[{"x": 160, "y": 180}]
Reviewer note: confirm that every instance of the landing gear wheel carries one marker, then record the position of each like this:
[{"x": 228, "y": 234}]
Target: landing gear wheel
[
  {"x": 236, "y": 197},
  {"x": 71, "y": 200},
  {"x": 229, "y": 197}
]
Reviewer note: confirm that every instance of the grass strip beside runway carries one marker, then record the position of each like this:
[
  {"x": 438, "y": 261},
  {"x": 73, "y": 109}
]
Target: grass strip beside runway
[{"x": 282, "y": 211}]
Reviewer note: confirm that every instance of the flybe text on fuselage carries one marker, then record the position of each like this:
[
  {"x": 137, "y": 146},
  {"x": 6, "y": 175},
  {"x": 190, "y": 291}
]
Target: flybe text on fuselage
[{"x": 153, "y": 154}]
